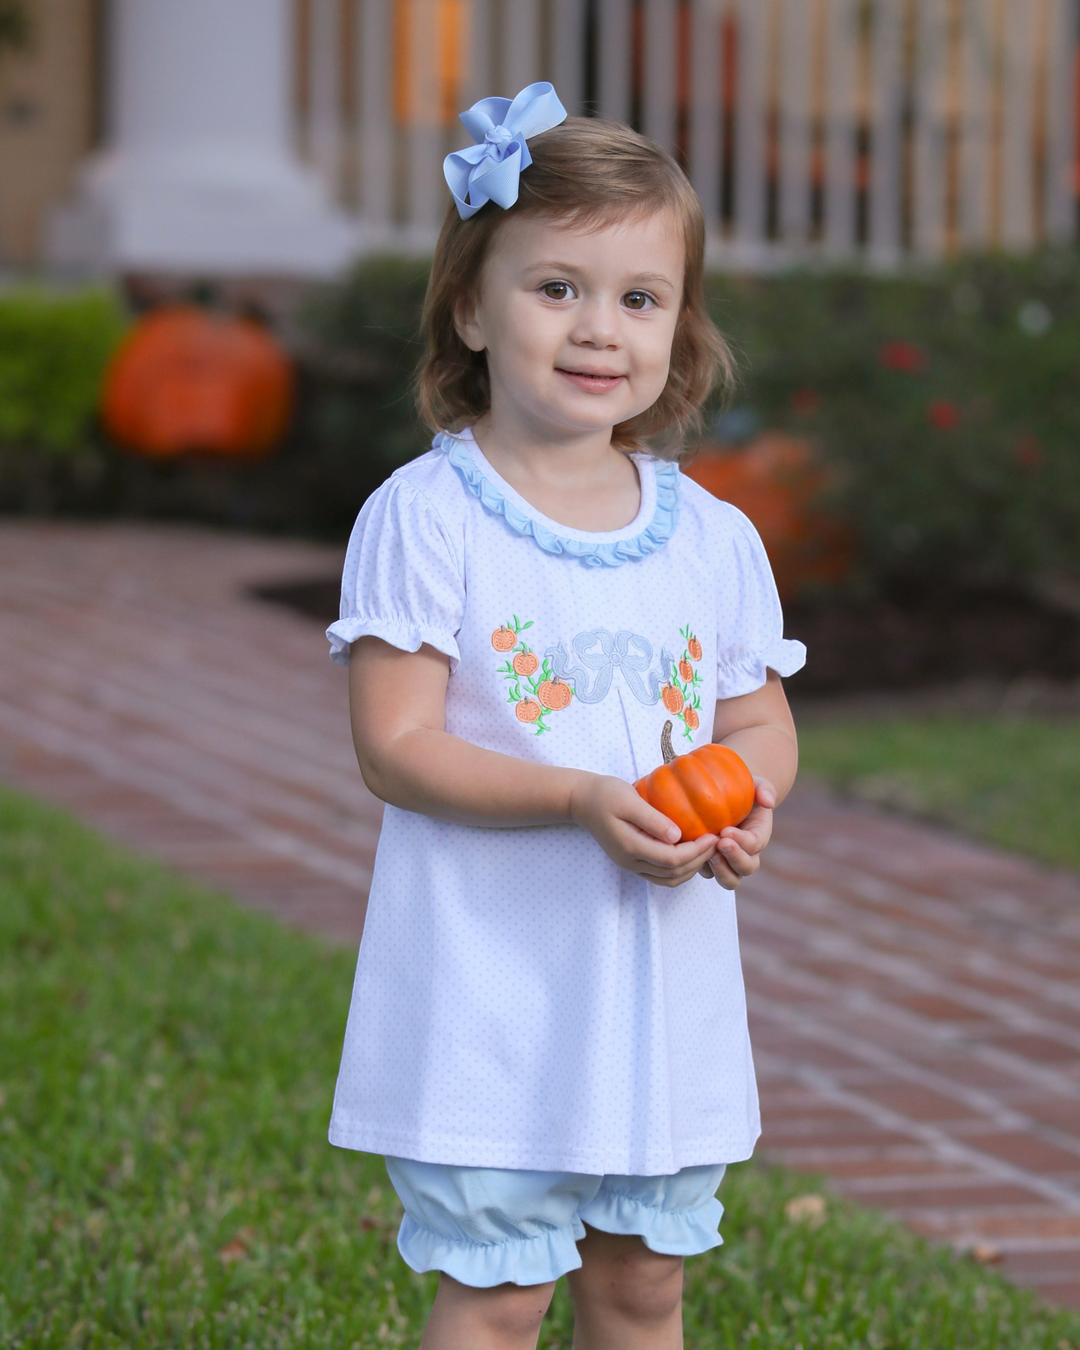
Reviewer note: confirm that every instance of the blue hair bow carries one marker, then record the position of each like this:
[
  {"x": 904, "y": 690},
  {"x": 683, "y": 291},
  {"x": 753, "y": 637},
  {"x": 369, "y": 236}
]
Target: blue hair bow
[{"x": 489, "y": 170}]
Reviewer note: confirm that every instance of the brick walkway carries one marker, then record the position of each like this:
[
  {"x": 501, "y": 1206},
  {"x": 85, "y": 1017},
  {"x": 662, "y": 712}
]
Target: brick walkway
[{"x": 914, "y": 997}]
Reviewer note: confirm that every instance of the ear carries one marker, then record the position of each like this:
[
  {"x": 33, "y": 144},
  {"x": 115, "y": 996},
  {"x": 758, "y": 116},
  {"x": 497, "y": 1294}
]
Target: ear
[{"x": 467, "y": 325}]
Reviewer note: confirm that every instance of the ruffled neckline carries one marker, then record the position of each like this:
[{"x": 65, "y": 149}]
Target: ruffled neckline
[{"x": 650, "y": 529}]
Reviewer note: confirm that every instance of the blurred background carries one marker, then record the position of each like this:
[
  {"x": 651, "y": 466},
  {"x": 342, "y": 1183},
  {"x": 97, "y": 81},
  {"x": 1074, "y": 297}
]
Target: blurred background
[{"x": 215, "y": 221}]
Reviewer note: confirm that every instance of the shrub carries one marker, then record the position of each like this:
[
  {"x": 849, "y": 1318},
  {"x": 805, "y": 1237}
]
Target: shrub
[
  {"x": 53, "y": 351},
  {"x": 948, "y": 403}
]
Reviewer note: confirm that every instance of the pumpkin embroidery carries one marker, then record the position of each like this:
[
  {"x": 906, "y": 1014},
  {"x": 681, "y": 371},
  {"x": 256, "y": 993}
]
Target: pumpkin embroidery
[
  {"x": 680, "y": 695},
  {"x": 535, "y": 689}
]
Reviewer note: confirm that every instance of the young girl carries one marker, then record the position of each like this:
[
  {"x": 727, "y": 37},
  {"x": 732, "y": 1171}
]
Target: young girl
[{"x": 547, "y": 1038}]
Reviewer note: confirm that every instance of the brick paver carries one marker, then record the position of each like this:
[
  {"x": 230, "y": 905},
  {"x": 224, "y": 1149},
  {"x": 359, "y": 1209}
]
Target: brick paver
[{"x": 914, "y": 997}]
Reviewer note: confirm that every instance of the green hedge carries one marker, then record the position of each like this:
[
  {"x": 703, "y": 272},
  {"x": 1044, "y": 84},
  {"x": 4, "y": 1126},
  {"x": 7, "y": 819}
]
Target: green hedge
[
  {"x": 947, "y": 403},
  {"x": 54, "y": 348}
]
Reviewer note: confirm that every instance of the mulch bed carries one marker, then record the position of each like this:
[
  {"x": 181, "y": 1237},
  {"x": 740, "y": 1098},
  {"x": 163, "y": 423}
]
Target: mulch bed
[{"x": 907, "y": 641}]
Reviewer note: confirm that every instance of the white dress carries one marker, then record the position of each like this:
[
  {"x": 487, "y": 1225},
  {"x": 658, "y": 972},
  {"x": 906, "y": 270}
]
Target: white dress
[{"x": 520, "y": 1001}]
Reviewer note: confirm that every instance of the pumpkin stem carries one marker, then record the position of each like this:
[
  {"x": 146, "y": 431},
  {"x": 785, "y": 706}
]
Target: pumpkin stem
[{"x": 666, "y": 748}]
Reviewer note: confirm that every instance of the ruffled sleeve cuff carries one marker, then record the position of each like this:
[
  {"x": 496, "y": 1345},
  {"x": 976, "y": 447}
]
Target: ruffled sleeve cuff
[
  {"x": 402, "y": 633},
  {"x": 742, "y": 672}
]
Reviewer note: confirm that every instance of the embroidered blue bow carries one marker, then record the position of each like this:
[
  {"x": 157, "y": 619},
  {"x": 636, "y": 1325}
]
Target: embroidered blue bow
[{"x": 489, "y": 170}]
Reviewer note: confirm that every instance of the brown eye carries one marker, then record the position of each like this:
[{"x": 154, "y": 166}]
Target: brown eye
[
  {"x": 637, "y": 300},
  {"x": 556, "y": 290}
]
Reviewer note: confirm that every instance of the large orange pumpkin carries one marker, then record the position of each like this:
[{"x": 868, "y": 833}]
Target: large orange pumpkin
[
  {"x": 185, "y": 379},
  {"x": 703, "y": 791},
  {"x": 775, "y": 481}
]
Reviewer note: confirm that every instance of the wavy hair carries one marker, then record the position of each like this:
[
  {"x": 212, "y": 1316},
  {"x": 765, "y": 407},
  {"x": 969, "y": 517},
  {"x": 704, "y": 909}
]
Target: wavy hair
[{"x": 585, "y": 172}]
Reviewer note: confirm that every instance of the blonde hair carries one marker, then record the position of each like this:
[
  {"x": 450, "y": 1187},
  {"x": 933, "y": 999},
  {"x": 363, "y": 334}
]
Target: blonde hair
[{"x": 586, "y": 172}]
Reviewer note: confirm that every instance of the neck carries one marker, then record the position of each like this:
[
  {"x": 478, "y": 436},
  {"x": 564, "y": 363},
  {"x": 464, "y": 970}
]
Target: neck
[{"x": 519, "y": 447}]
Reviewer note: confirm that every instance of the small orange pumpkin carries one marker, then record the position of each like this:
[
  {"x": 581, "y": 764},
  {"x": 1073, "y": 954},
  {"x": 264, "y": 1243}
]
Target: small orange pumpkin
[
  {"x": 503, "y": 639},
  {"x": 525, "y": 663},
  {"x": 776, "y": 480},
  {"x": 528, "y": 710},
  {"x": 694, "y": 648},
  {"x": 691, "y": 718},
  {"x": 702, "y": 792},
  {"x": 686, "y": 671},
  {"x": 185, "y": 379}
]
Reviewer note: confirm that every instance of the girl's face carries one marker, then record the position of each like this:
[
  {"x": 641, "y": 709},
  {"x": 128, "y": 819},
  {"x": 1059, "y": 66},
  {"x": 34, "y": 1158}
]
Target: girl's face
[{"x": 577, "y": 324}]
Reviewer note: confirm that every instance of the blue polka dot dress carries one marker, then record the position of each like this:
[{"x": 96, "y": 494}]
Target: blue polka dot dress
[{"x": 520, "y": 1001}]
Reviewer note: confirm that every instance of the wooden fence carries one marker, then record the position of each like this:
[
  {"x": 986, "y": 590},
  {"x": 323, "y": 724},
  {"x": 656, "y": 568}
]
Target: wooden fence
[{"x": 835, "y": 128}]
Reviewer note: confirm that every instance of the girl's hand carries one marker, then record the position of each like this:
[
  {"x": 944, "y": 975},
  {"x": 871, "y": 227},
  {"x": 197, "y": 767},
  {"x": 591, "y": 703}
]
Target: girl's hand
[
  {"x": 738, "y": 853},
  {"x": 634, "y": 834}
]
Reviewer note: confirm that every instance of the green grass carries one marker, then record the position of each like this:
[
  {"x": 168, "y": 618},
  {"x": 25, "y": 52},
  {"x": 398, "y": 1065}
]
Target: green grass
[
  {"x": 1014, "y": 781},
  {"x": 167, "y": 1062}
]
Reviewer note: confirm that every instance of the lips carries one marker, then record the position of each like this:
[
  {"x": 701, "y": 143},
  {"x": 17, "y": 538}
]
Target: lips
[{"x": 593, "y": 381}]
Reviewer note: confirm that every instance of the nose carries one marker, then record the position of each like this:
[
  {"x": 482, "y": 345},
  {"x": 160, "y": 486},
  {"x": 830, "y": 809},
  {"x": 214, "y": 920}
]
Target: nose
[{"x": 596, "y": 323}]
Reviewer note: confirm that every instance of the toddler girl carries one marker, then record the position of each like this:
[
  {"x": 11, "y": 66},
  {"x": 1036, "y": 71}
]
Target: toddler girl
[{"x": 547, "y": 1038}]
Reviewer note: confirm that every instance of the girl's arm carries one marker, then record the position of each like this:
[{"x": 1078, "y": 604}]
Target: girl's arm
[
  {"x": 758, "y": 727},
  {"x": 397, "y": 704}
]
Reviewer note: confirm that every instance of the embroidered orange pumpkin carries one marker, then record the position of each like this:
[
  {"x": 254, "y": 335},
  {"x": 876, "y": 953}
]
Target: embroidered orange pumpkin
[
  {"x": 503, "y": 639},
  {"x": 528, "y": 710},
  {"x": 185, "y": 379},
  {"x": 702, "y": 792},
  {"x": 686, "y": 670},
  {"x": 673, "y": 699},
  {"x": 554, "y": 694},
  {"x": 691, "y": 718},
  {"x": 694, "y": 648},
  {"x": 525, "y": 663}
]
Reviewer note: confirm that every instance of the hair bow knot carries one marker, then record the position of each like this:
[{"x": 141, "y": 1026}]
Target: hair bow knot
[{"x": 490, "y": 169}]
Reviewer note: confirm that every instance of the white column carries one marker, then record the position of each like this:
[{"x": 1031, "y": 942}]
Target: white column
[{"x": 199, "y": 172}]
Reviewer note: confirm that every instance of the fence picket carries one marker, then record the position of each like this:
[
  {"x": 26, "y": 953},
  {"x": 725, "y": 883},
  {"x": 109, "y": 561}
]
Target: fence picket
[
  {"x": 841, "y": 100},
  {"x": 1060, "y": 112},
  {"x": 614, "y": 31},
  {"x": 520, "y": 64},
  {"x": 795, "y": 92},
  {"x": 479, "y": 79},
  {"x": 977, "y": 48},
  {"x": 930, "y": 130},
  {"x": 750, "y": 126},
  {"x": 324, "y": 84},
  {"x": 375, "y": 130},
  {"x": 706, "y": 103},
  {"x": 1016, "y": 180},
  {"x": 568, "y": 53},
  {"x": 425, "y": 119},
  {"x": 886, "y": 131},
  {"x": 658, "y": 102}
]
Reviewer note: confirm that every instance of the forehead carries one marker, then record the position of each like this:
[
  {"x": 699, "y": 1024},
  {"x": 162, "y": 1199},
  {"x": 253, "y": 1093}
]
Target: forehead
[{"x": 650, "y": 242}]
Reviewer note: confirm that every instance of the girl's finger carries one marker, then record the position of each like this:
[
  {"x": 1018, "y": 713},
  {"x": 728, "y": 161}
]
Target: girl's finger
[
  {"x": 737, "y": 858},
  {"x": 723, "y": 874},
  {"x": 748, "y": 840},
  {"x": 645, "y": 848},
  {"x": 651, "y": 821},
  {"x": 765, "y": 793}
]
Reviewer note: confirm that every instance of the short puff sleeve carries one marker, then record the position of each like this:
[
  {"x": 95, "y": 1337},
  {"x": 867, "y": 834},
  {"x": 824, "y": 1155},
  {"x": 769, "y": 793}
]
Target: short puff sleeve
[
  {"x": 402, "y": 581},
  {"x": 750, "y": 628}
]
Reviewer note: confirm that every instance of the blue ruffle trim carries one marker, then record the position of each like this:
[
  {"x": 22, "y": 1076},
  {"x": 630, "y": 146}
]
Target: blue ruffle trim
[
  {"x": 682, "y": 1232},
  {"x": 592, "y": 553},
  {"x": 482, "y": 1265}
]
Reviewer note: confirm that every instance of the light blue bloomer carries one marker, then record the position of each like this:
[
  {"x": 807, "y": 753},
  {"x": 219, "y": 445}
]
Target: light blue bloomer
[{"x": 488, "y": 1225}]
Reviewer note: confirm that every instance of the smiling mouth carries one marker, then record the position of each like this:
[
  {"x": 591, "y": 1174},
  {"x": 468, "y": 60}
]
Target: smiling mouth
[{"x": 598, "y": 382}]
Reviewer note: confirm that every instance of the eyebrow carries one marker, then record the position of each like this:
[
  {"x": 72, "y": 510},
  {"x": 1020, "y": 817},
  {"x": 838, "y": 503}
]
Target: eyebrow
[{"x": 640, "y": 278}]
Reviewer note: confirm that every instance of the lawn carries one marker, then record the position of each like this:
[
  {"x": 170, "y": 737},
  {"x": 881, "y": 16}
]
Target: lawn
[
  {"x": 1014, "y": 781},
  {"x": 166, "y": 1066}
]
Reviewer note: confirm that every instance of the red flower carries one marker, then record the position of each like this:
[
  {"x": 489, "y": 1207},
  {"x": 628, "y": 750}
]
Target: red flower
[
  {"x": 905, "y": 356},
  {"x": 1029, "y": 452},
  {"x": 943, "y": 415},
  {"x": 805, "y": 402}
]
